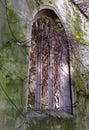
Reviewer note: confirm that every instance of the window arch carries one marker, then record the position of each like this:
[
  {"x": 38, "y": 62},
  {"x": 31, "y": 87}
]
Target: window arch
[{"x": 49, "y": 72}]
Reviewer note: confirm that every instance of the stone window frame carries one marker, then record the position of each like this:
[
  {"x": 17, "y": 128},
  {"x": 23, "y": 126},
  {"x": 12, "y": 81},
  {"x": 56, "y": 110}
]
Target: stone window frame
[{"x": 36, "y": 15}]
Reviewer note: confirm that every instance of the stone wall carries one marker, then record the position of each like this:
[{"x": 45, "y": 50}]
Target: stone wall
[{"x": 16, "y": 17}]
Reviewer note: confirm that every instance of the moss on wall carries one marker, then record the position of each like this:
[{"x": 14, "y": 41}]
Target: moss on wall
[
  {"x": 13, "y": 70},
  {"x": 52, "y": 124}
]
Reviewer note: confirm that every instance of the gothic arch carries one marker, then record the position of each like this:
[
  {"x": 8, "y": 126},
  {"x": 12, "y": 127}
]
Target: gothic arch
[{"x": 49, "y": 72}]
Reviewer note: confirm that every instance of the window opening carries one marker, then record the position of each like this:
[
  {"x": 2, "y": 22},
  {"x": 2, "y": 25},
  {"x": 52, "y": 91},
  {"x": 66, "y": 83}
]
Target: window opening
[{"x": 49, "y": 74}]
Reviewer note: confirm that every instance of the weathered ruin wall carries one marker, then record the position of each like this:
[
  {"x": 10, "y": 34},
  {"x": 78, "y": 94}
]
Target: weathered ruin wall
[
  {"x": 13, "y": 66},
  {"x": 16, "y": 18}
]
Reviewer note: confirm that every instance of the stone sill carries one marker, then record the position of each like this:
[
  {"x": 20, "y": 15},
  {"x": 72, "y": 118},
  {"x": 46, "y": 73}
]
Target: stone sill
[{"x": 43, "y": 113}]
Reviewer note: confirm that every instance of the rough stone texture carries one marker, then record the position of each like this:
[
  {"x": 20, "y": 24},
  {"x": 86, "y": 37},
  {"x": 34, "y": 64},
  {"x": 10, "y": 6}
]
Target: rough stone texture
[
  {"x": 14, "y": 61},
  {"x": 83, "y": 6}
]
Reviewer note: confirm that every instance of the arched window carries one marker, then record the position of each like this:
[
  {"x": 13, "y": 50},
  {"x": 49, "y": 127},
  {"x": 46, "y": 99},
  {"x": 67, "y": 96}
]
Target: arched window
[{"x": 49, "y": 72}]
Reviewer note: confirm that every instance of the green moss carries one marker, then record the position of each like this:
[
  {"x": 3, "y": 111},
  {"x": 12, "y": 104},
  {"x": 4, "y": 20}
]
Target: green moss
[
  {"x": 81, "y": 85},
  {"x": 50, "y": 2},
  {"x": 13, "y": 30},
  {"x": 40, "y": 2},
  {"x": 13, "y": 70},
  {"x": 81, "y": 40},
  {"x": 80, "y": 82},
  {"x": 75, "y": 23},
  {"x": 52, "y": 124},
  {"x": 59, "y": 24}
]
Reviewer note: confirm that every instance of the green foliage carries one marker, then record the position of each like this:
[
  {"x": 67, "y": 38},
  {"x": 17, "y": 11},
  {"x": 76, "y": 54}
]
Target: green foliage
[
  {"x": 57, "y": 20},
  {"x": 40, "y": 2},
  {"x": 59, "y": 24},
  {"x": 61, "y": 29},
  {"x": 50, "y": 2}
]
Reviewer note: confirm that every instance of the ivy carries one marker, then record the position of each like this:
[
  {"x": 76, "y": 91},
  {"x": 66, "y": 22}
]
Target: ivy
[{"x": 59, "y": 24}]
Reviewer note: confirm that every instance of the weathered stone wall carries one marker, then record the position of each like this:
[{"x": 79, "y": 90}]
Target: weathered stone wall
[
  {"x": 16, "y": 17},
  {"x": 13, "y": 65}
]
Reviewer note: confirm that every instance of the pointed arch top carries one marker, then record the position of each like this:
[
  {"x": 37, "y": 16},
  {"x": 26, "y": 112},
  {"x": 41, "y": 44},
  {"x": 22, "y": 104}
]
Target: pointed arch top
[
  {"x": 40, "y": 29},
  {"x": 53, "y": 12}
]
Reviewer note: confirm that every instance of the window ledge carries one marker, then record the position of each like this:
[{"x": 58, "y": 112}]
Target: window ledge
[{"x": 42, "y": 113}]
